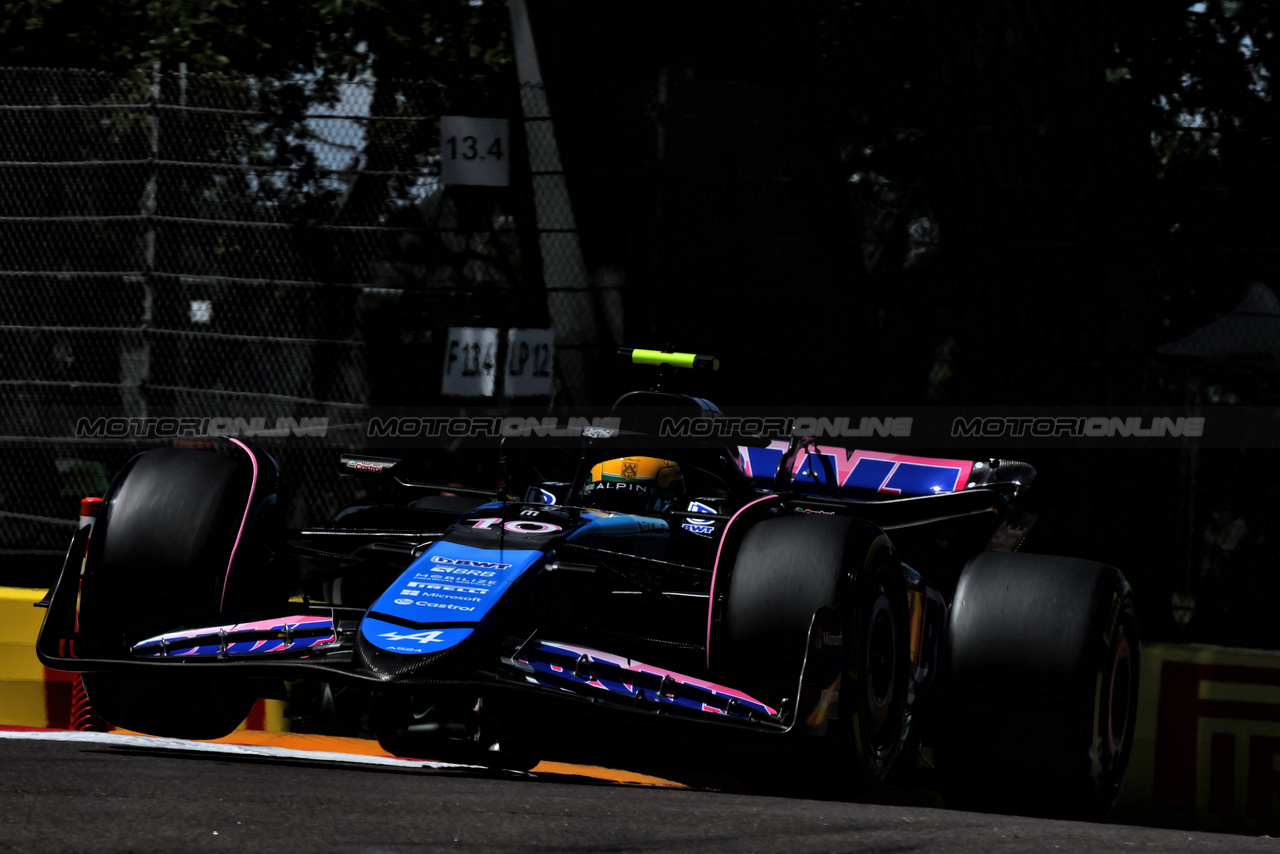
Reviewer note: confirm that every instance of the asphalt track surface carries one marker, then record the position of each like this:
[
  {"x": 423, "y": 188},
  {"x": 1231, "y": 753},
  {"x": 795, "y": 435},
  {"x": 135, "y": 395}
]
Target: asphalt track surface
[{"x": 134, "y": 795}]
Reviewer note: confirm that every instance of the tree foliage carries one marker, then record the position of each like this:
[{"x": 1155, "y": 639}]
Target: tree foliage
[
  {"x": 460, "y": 40},
  {"x": 1071, "y": 163},
  {"x": 296, "y": 52}
]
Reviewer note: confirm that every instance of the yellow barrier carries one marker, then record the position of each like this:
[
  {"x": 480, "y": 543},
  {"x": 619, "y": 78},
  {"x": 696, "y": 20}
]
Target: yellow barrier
[
  {"x": 32, "y": 695},
  {"x": 1207, "y": 738},
  {"x": 23, "y": 687}
]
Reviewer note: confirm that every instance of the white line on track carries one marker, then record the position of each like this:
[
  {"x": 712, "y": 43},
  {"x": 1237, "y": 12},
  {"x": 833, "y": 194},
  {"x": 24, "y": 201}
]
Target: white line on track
[{"x": 156, "y": 743}]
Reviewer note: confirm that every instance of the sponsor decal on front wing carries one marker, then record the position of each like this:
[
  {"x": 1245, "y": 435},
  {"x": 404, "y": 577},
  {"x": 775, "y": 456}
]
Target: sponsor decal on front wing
[{"x": 449, "y": 583}]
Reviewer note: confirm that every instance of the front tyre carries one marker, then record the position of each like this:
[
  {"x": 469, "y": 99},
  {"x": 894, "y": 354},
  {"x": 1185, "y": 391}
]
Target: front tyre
[
  {"x": 786, "y": 570},
  {"x": 159, "y": 559}
]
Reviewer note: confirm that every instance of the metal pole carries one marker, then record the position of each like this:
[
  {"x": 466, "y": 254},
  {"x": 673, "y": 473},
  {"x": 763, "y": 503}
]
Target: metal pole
[
  {"x": 149, "y": 194},
  {"x": 571, "y": 296}
]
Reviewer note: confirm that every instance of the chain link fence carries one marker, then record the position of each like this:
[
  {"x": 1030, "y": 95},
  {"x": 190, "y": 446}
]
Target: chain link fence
[{"x": 189, "y": 245}]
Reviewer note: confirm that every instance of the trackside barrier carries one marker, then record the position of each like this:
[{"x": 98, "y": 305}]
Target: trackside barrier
[
  {"x": 1208, "y": 740},
  {"x": 34, "y": 696},
  {"x": 1205, "y": 751},
  {"x": 26, "y": 687}
]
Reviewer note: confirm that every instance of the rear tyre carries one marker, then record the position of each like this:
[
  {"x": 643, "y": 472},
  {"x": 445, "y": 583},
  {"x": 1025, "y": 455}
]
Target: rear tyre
[
  {"x": 787, "y": 569},
  {"x": 1043, "y": 686},
  {"x": 158, "y": 560}
]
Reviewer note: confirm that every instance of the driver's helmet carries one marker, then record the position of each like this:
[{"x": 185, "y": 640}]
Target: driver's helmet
[{"x": 641, "y": 485}]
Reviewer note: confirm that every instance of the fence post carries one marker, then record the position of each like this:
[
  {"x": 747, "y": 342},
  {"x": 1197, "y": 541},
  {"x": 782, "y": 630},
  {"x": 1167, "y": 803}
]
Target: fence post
[
  {"x": 582, "y": 324},
  {"x": 149, "y": 199}
]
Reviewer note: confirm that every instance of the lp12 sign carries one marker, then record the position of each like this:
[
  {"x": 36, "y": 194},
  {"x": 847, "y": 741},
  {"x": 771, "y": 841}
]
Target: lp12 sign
[
  {"x": 474, "y": 151},
  {"x": 530, "y": 362}
]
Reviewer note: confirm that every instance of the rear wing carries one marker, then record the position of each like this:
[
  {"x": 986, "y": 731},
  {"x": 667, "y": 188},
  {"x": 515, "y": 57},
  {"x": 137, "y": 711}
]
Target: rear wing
[{"x": 831, "y": 471}]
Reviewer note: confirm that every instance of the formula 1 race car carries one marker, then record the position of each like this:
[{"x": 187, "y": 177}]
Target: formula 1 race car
[{"x": 794, "y": 615}]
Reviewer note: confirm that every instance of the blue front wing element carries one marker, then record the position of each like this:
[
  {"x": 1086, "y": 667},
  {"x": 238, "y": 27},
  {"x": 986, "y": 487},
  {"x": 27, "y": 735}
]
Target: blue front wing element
[
  {"x": 591, "y": 672},
  {"x": 296, "y": 635}
]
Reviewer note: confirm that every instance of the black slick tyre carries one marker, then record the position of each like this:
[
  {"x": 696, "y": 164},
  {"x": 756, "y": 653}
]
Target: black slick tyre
[
  {"x": 786, "y": 570},
  {"x": 1042, "y": 686},
  {"x": 158, "y": 560}
]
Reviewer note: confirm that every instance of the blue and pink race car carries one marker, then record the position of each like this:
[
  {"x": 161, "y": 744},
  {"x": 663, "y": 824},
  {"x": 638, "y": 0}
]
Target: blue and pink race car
[{"x": 785, "y": 614}]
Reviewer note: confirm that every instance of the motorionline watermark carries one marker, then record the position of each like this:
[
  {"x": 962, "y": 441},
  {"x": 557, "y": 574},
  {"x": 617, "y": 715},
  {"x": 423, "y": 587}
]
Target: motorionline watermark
[
  {"x": 848, "y": 427},
  {"x": 191, "y": 427},
  {"x": 1078, "y": 427},
  {"x": 488, "y": 426}
]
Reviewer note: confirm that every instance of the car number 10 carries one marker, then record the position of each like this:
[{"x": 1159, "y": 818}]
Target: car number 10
[{"x": 515, "y": 526}]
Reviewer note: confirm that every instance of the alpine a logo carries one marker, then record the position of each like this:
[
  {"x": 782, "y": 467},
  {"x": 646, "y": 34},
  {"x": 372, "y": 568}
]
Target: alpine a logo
[{"x": 420, "y": 637}]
